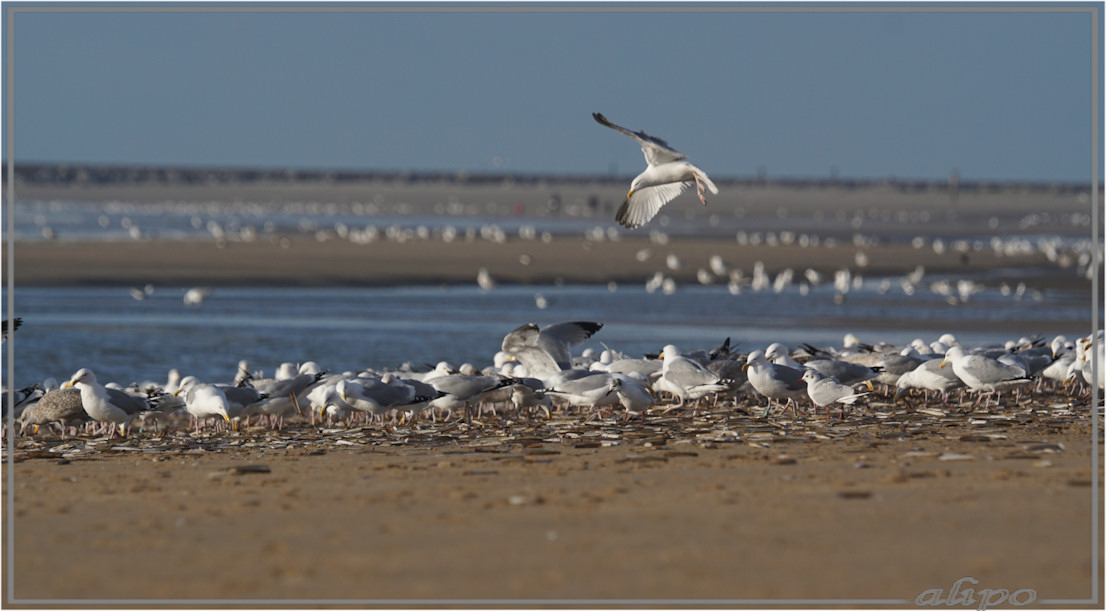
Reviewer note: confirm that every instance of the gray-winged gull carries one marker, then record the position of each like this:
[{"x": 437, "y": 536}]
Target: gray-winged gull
[
  {"x": 666, "y": 175},
  {"x": 774, "y": 381},
  {"x": 685, "y": 378},
  {"x": 981, "y": 373},
  {"x": 107, "y": 404},
  {"x": 545, "y": 351},
  {"x": 824, "y": 391}
]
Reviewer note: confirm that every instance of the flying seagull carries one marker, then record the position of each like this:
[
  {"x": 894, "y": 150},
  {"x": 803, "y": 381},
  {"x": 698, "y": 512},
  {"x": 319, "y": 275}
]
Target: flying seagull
[{"x": 667, "y": 174}]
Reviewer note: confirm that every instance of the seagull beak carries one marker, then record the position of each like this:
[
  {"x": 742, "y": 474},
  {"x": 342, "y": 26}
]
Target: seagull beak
[
  {"x": 226, "y": 417},
  {"x": 869, "y": 383},
  {"x": 943, "y": 363},
  {"x": 745, "y": 367},
  {"x": 628, "y": 195},
  {"x": 67, "y": 384}
]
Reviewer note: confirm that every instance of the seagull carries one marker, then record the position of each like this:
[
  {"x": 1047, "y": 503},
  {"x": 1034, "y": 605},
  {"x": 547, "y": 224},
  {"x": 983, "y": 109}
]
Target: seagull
[
  {"x": 376, "y": 396},
  {"x": 62, "y": 406},
  {"x": 591, "y": 390},
  {"x": 774, "y": 381},
  {"x": 633, "y": 396},
  {"x": 282, "y": 396},
  {"x": 667, "y": 174},
  {"x": 825, "y": 391},
  {"x": 981, "y": 373},
  {"x": 546, "y": 351},
  {"x": 461, "y": 391},
  {"x": 204, "y": 401},
  {"x": 685, "y": 378},
  {"x": 107, "y": 404},
  {"x": 929, "y": 376}
]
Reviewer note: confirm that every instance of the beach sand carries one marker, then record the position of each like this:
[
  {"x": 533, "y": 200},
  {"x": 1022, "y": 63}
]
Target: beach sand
[
  {"x": 720, "y": 506},
  {"x": 306, "y": 261}
]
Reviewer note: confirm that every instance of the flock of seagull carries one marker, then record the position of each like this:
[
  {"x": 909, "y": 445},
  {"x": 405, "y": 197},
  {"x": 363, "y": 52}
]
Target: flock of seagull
[
  {"x": 535, "y": 369},
  {"x": 535, "y": 372}
]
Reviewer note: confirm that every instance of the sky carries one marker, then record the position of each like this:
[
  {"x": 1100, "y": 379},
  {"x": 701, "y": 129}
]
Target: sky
[{"x": 1002, "y": 92}]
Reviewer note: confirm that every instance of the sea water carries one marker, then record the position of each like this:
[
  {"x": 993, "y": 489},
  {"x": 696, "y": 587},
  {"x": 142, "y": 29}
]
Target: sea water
[{"x": 126, "y": 340}]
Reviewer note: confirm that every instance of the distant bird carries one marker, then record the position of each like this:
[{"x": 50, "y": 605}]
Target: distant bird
[
  {"x": 485, "y": 280},
  {"x": 196, "y": 296},
  {"x": 666, "y": 175},
  {"x": 142, "y": 293},
  {"x": 7, "y": 326}
]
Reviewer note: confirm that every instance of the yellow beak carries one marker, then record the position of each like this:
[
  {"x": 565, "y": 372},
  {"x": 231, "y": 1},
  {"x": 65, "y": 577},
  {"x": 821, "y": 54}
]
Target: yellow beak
[
  {"x": 745, "y": 367},
  {"x": 67, "y": 384},
  {"x": 943, "y": 363}
]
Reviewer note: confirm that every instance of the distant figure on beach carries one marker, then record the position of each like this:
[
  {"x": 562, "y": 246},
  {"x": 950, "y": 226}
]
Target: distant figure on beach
[{"x": 667, "y": 174}]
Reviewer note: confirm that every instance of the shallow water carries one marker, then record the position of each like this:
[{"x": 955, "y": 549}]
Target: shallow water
[{"x": 126, "y": 340}]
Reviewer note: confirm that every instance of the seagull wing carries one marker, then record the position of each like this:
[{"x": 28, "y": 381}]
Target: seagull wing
[
  {"x": 644, "y": 204},
  {"x": 570, "y": 333},
  {"x": 656, "y": 150},
  {"x": 688, "y": 373},
  {"x": 526, "y": 335}
]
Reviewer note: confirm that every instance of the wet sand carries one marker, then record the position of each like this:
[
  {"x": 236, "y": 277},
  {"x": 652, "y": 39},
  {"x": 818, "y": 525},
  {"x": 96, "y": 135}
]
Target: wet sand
[
  {"x": 306, "y": 261},
  {"x": 885, "y": 504}
]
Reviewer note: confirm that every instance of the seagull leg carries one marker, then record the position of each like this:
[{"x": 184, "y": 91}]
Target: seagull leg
[{"x": 701, "y": 191}]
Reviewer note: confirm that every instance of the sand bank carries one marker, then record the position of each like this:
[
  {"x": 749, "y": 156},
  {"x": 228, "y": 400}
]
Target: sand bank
[{"x": 306, "y": 261}]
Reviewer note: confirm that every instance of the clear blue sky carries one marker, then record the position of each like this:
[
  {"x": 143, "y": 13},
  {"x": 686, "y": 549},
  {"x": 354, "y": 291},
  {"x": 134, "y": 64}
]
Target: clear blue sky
[{"x": 994, "y": 94}]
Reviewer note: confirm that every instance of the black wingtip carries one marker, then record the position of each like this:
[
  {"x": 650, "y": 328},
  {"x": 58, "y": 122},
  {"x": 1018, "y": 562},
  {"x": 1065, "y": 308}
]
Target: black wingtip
[
  {"x": 591, "y": 328},
  {"x": 623, "y": 215}
]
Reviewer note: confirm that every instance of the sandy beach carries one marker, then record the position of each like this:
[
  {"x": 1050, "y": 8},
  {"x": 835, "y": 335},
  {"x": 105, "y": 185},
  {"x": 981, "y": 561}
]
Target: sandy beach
[{"x": 884, "y": 505}]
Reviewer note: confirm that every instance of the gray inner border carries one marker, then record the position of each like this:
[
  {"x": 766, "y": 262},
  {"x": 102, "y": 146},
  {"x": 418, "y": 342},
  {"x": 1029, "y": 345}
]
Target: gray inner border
[{"x": 1093, "y": 9}]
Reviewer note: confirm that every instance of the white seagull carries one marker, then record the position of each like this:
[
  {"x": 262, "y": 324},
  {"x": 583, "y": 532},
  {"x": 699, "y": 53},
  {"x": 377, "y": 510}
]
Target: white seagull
[
  {"x": 666, "y": 175},
  {"x": 824, "y": 391},
  {"x": 106, "y": 404}
]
